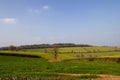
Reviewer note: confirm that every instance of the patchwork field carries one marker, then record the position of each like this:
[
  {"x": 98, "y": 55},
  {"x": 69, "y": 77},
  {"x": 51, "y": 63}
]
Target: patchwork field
[
  {"x": 67, "y": 52},
  {"x": 41, "y": 68},
  {"x": 79, "y": 49},
  {"x": 37, "y": 63}
]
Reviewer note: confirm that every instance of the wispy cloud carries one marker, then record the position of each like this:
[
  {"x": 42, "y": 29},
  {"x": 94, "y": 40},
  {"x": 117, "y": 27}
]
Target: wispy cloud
[
  {"x": 46, "y": 7},
  {"x": 40, "y": 9},
  {"x": 8, "y": 20},
  {"x": 34, "y": 10}
]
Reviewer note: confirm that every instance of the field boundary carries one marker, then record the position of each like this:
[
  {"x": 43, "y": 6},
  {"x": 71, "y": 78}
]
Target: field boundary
[{"x": 20, "y": 55}]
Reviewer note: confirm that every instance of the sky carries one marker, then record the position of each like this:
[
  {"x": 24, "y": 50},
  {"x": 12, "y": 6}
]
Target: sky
[{"x": 94, "y": 22}]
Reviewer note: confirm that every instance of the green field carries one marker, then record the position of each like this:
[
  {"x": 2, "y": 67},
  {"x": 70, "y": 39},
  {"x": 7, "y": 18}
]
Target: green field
[
  {"x": 80, "y": 49},
  {"x": 70, "y": 52},
  {"x": 86, "y": 51},
  {"x": 40, "y": 66}
]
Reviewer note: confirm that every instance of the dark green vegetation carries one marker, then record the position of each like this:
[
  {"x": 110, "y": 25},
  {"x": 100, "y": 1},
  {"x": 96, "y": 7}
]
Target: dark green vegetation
[
  {"x": 36, "y": 46},
  {"x": 39, "y": 67},
  {"x": 88, "y": 76},
  {"x": 34, "y": 63}
]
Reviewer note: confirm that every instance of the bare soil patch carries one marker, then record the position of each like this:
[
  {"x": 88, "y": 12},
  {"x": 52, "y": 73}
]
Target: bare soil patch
[
  {"x": 102, "y": 76},
  {"x": 55, "y": 60}
]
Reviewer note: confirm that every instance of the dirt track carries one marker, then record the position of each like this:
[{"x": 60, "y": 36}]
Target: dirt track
[{"x": 102, "y": 76}]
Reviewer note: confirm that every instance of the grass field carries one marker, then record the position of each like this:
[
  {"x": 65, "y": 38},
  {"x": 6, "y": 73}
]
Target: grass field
[
  {"x": 39, "y": 54},
  {"x": 39, "y": 67},
  {"x": 88, "y": 49},
  {"x": 70, "y": 52},
  {"x": 80, "y": 49}
]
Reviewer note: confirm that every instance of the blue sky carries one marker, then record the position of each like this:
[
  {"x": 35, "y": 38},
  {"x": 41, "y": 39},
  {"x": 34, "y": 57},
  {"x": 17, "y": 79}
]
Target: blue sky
[{"x": 95, "y": 22}]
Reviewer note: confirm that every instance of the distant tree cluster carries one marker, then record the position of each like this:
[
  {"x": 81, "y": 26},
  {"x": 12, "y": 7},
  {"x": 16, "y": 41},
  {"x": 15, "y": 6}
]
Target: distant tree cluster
[{"x": 35, "y": 46}]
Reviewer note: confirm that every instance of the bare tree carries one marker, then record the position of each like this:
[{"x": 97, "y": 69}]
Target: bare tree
[
  {"x": 46, "y": 51},
  {"x": 55, "y": 50}
]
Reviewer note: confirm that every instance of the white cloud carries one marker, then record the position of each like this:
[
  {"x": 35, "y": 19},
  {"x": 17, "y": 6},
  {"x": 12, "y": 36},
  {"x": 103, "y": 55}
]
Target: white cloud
[
  {"x": 8, "y": 20},
  {"x": 45, "y": 7},
  {"x": 39, "y": 10}
]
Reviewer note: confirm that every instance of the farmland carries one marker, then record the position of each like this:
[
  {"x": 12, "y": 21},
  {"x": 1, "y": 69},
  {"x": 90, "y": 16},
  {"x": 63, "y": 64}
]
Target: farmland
[
  {"x": 36, "y": 63},
  {"x": 80, "y": 49},
  {"x": 72, "y": 52},
  {"x": 39, "y": 67}
]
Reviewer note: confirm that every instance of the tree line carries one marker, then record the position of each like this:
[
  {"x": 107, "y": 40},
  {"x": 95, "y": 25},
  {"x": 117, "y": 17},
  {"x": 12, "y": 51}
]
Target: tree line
[{"x": 35, "y": 46}]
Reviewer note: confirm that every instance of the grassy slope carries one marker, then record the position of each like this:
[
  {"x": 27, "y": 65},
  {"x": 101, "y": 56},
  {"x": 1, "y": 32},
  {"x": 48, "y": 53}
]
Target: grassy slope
[
  {"x": 77, "y": 49},
  {"x": 100, "y": 52},
  {"x": 22, "y": 66},
  {"x": 40, "y": 52},
  {"x": 86, "y": 49}
]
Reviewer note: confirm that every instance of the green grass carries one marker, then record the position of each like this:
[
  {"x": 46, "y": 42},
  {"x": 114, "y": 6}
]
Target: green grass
[
  {"x": 65, "y": 56},
  {"x": 34, "y": 50},
  {"x": 39, "y": 67},
  {"x": 40, "y": 54},
  {"x": 78, "y": 49},
  {"x": 86, "y": 51}
]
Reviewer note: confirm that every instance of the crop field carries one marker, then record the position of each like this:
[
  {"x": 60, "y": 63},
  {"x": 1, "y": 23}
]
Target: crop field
[
  {"x": 73, "y": 52},
  {"x": 37, "y": 63},
  {"x": 79, "y": 49},
  {"x": 39, "y": 67},
  {"x": 68, "y": 52},
  {"x": 88, "y": 49},
  {"x": 36, "y": 54}
]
